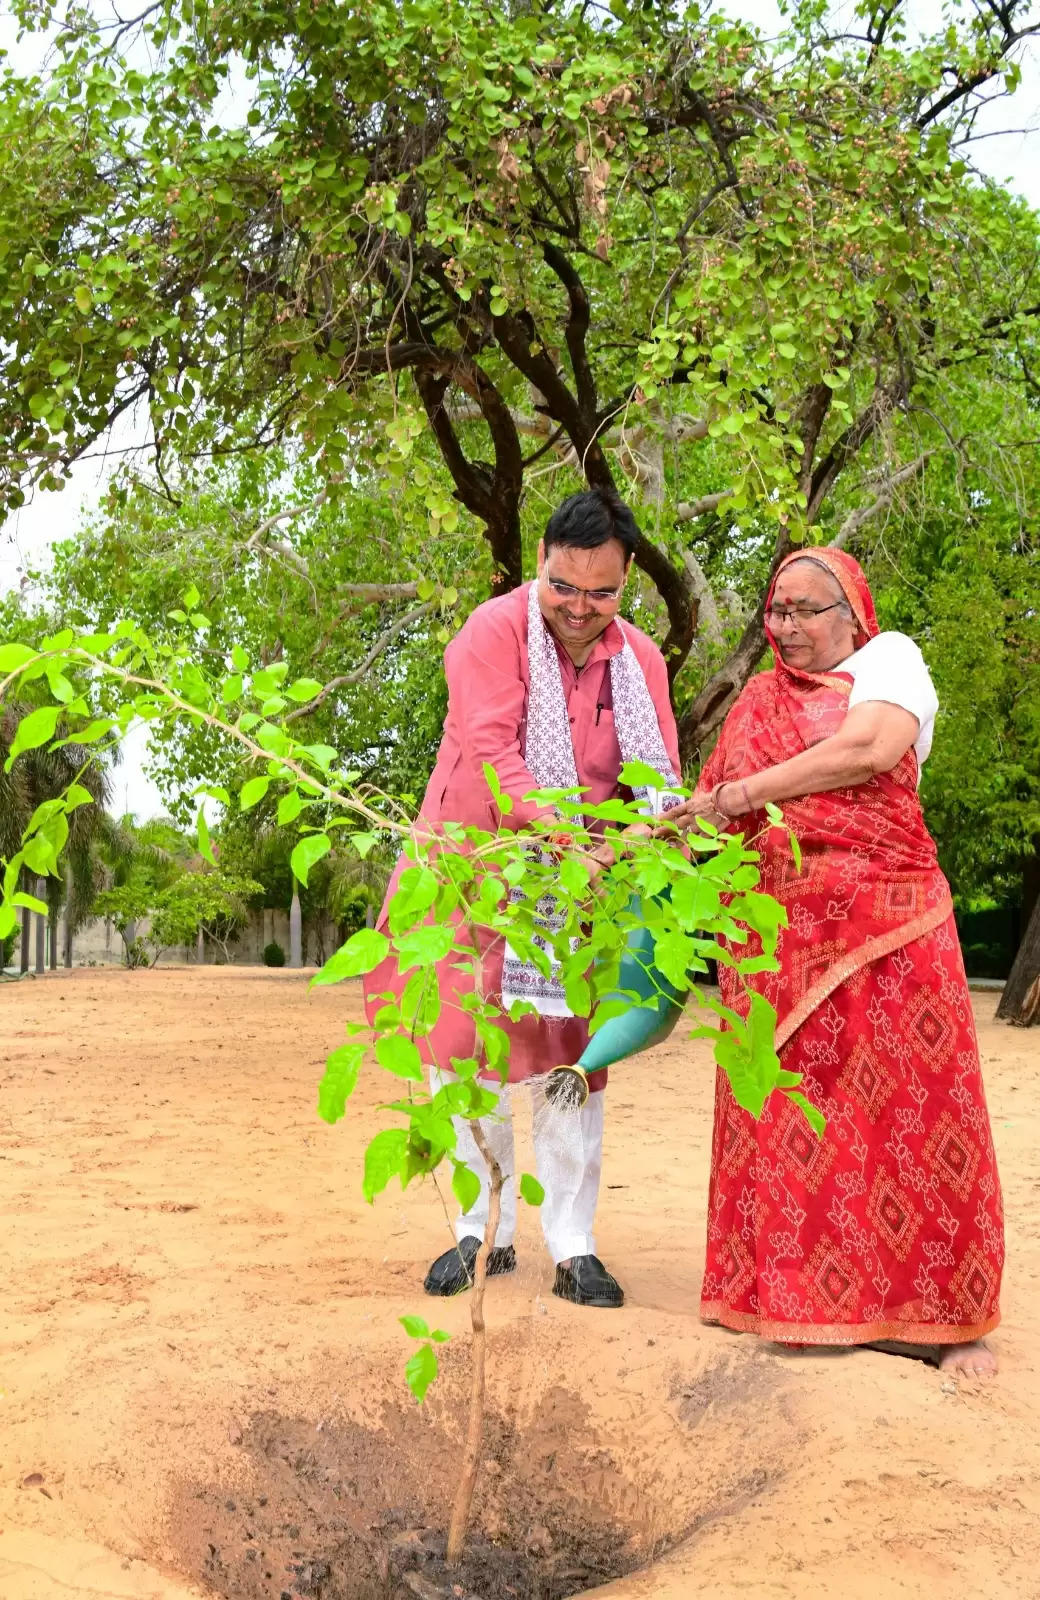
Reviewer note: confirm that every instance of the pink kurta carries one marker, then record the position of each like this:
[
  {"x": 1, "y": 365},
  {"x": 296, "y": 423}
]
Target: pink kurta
[{"x": 488, "y": 680}]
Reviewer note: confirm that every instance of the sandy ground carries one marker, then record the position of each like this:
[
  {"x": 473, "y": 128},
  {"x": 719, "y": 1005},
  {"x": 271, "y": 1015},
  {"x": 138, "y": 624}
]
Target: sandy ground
[{"x": 199, "y": 1338}]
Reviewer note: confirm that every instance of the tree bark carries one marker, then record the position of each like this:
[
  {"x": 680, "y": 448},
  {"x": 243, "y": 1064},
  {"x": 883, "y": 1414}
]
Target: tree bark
[
  {"x": 41, "y": 930},
  {"x": 295, "y": 932},
  {"x": 67, "y": 921},
  {"x": 1020, "y": 1001},
  {"x": 23, "y": 951}
]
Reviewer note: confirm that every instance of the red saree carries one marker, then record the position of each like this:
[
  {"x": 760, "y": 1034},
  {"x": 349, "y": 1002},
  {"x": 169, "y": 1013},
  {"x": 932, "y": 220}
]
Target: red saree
[{"x": 891, "y": 1226}]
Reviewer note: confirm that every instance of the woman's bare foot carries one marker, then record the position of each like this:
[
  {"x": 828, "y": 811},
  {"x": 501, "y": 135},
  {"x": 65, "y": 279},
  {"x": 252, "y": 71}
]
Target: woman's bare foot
[{"x": 974, "y": 1360}]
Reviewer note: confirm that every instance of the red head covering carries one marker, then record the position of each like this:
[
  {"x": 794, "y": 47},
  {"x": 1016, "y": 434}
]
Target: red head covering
[{"x": 850, "y": 577}]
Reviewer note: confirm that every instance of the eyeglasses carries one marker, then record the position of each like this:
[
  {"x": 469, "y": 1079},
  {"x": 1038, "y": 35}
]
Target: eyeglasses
[
  {"x": 775, "y": 614},
  {"x": 570, "y": 591}
]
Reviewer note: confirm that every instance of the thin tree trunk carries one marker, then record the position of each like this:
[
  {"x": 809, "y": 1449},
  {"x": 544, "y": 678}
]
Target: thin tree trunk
[
  {"x": 200, "y": 947},
  {"x": 1020, "y": 1000},
  {"x": 41, "y": 931},
  {"x": 67, "y": 922},
  {"x": 23, "y": 952},
  {"x": 52, "y": 939},
  {"x": 460, "y": 1511},
  {"x": 295, "y": 931}
]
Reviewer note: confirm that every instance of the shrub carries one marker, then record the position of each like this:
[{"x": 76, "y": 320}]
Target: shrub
[{"x": 274, "y": 955}]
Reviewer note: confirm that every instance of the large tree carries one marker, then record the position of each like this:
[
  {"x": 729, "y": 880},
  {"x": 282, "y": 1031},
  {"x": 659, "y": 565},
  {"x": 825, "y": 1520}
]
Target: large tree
[{"x": 644, "y": 242}]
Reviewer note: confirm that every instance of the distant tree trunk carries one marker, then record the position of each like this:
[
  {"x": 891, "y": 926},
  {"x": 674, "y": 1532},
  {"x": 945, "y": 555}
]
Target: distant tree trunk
[
  {"x": 41, "y": 931},
  {"x": 295, "y": 931},
  {"x": 52, "y": 939},
  {"x": 67, "y": 920},
  {"x": 200, "y": 947},
  {"x": 1020, "y": 1001},
  {"x": 23, "y": 953}
]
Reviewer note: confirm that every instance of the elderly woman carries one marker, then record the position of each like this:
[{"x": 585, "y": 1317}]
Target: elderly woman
[{"x": 889, "y": 1229}]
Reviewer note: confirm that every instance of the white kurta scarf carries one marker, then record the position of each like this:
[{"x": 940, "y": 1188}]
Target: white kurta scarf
[{"x": 549, "y": 756}]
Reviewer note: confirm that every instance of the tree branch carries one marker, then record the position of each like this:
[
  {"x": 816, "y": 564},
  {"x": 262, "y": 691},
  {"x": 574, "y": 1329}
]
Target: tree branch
[
  {"x": 576, "y": 330},
  {"x": 690, "y": 510},
  {"x": 708, "y": 617},
  {"x": 855, "y": 520},
  {"x": 382, "y": 643}
]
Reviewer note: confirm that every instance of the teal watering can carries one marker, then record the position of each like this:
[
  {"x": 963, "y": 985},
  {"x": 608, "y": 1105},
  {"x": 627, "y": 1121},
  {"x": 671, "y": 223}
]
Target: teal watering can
[{"x": 635, "y": 1029}]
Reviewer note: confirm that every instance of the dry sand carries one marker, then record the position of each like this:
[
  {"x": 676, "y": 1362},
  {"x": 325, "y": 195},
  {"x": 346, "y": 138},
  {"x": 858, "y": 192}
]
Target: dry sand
[{"x": 202, "y": 1367}]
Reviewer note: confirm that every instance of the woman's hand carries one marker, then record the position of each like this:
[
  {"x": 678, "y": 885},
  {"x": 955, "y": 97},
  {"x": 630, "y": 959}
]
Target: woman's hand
[{"x": 685, "y": 815}]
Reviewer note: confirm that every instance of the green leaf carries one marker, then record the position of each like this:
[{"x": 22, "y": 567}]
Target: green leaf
[
  {"x": 362, "y": 953},
  {"x": 13, "y": 656},
  {"x": 31, "y": 903},
  {"x": 465, "y": 1186},
  {"x": 308, "y": 853},
  {"x": 76, "y": 796},
  {"x": 417, "y": 889},
  {"x": 83, "y": 297},
  {"x": 383, "y": 1161},
  {"x": 415, "y": 1327},
  {"x": 638, "y": 775},
  {"x": 289, "y": 807},
  {"x": 205, "y": 843},
  {"x": 303, "y": 689},
  {"x": 420, "y": 1002},
  {"x": 342, "y": 1067},
  {"x": 33, "y": 731},
  {"x": 813, "y": 1116},
  {"x": 8, "y": 920},
  {"x": 400, "y": 1056},
  {"x": 504, "y": 802},
  {"x": 531, "y": 1190},
  {"x": 252, "y": 791},
  {"x": 424, "y": 946},
  {"x": 421, "y": 1371}
]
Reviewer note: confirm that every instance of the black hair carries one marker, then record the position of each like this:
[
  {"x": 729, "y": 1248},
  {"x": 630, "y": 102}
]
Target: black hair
[{"x": 591, "y": 517}]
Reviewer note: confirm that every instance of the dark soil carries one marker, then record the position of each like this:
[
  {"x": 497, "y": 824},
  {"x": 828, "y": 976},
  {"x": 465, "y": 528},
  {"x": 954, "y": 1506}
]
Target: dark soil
[{"x": 343, "y": 1511}]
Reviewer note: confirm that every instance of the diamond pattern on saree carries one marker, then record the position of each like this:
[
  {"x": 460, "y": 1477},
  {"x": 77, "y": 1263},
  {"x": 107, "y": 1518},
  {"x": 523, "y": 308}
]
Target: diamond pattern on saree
[
  {"x": 806, "y": 1156},
  {"x": 898, "y": 901},
  {"x": 894, "y": 1215},
  {"x": 813, "y": 962},
  {"x": 866, "y": 1080},
  {"x": 929, "y": 1028},
  {"x": 737, "y": 1144},
  {"x": 975, "y": 1283},
  {"x": 833, "y": 1282},
  {"x": 952, "y": 1153},
  {"x": 737, "y": 1265}
]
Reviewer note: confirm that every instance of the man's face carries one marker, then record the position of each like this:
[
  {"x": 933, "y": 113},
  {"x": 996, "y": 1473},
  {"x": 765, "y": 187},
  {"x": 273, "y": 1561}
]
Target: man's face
[
  {"x": 810, "y": 643},
  {"x": 577, "y": 619}
]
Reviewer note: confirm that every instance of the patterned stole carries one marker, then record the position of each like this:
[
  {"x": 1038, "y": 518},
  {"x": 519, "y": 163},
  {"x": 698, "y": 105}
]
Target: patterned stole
[{"x": 549, "y": 755}]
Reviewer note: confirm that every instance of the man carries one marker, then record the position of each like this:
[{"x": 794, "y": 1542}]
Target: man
[{"x": 548, "y": 687}]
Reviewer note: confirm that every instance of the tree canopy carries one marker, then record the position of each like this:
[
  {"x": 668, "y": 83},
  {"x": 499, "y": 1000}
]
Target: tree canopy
[{"x": 483, "y": 249}]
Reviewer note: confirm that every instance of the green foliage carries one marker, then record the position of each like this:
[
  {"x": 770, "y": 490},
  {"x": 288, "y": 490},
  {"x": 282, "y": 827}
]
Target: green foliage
[
  {"x": 273, "y": 954},
  {"x": 732, "y": 273}
]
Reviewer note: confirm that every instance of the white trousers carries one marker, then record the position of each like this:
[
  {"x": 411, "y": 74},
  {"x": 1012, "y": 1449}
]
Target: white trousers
[{"x": 568, "y": 1154}]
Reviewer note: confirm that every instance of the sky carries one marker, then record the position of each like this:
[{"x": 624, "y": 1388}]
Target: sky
[{"x": 25, "y": 538}]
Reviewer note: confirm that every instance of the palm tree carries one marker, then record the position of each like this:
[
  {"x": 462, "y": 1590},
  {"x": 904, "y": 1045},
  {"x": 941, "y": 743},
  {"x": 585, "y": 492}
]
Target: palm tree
[{"x": 44, "y": 774}]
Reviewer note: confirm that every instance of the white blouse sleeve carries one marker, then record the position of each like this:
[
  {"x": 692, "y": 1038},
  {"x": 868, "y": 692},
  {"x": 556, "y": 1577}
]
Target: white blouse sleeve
[{"x": 891, "y": 668}]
